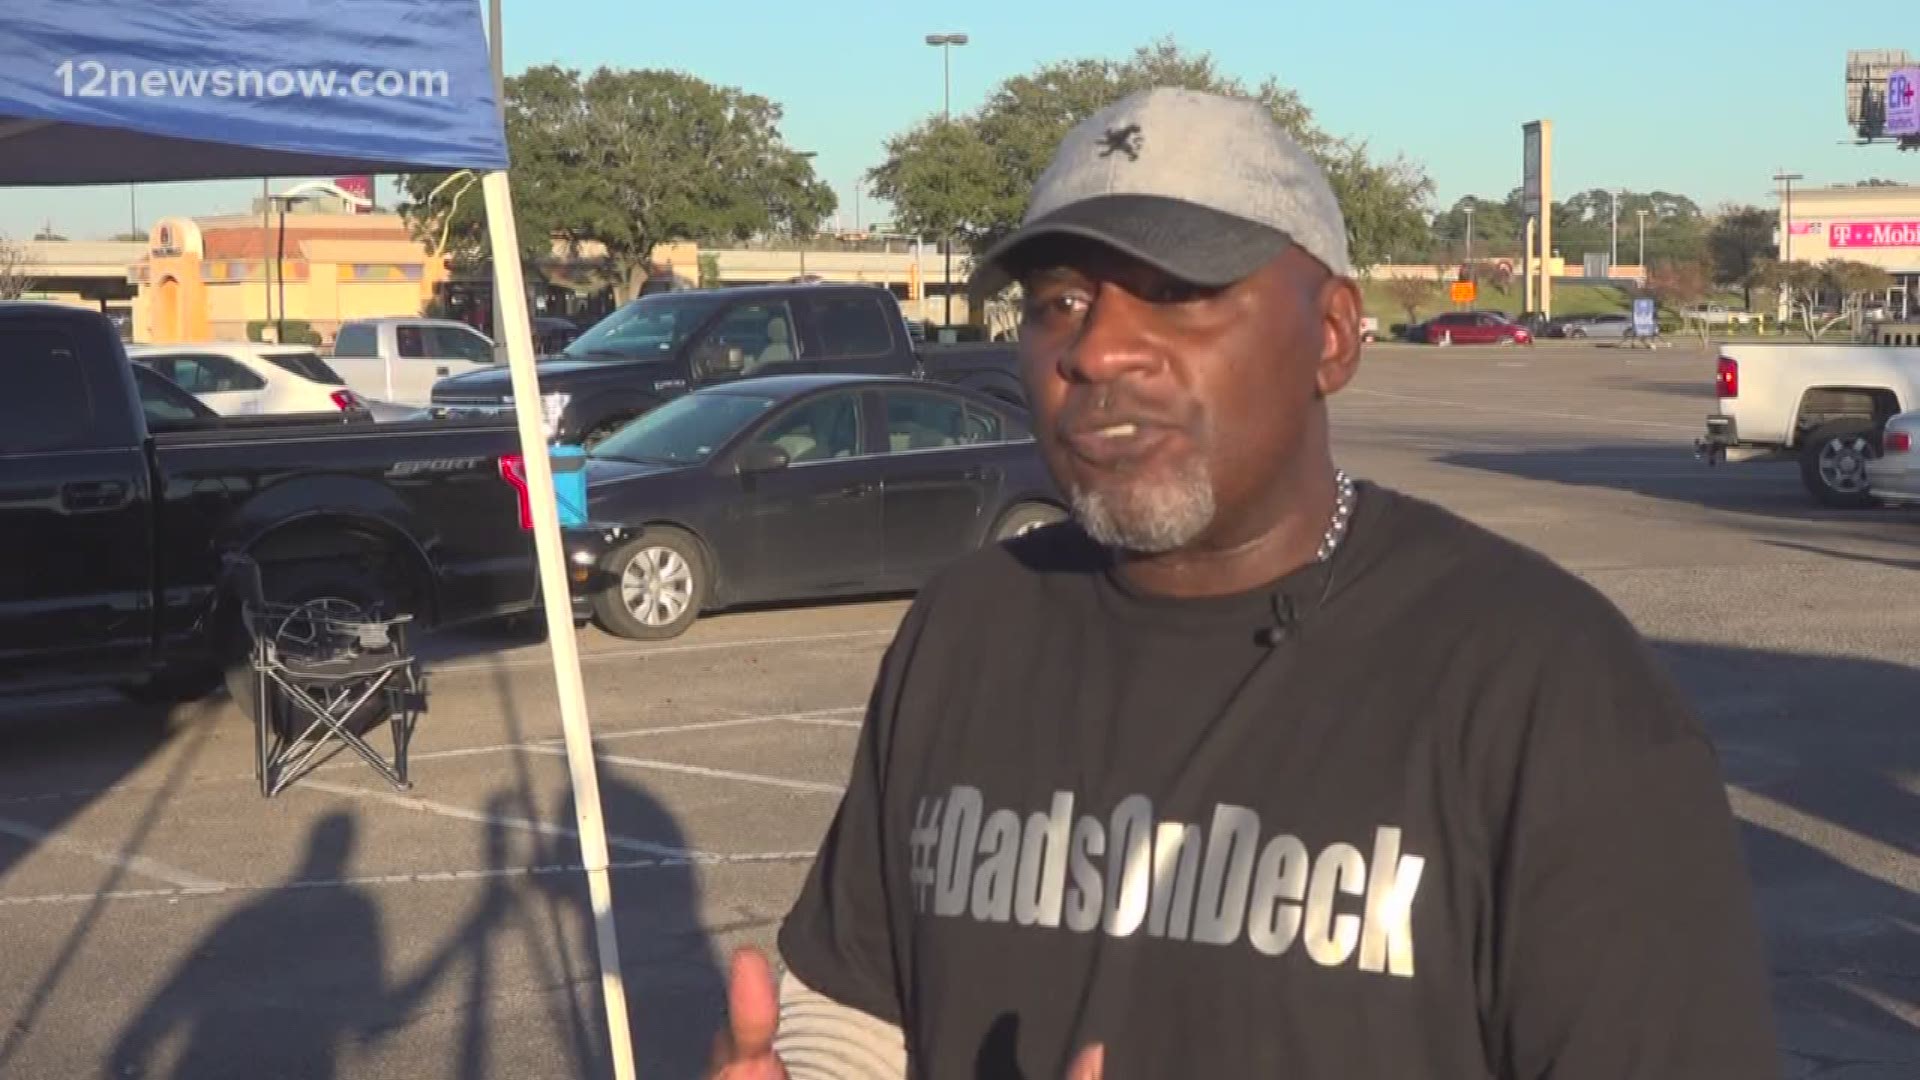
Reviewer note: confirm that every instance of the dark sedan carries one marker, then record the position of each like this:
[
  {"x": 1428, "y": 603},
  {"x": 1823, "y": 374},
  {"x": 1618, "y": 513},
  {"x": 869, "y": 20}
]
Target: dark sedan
[{"x": 795, "y": 488}]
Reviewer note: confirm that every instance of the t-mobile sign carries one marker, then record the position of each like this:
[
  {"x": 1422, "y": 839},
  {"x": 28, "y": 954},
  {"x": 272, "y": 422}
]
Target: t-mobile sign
[{"x": 1874, "y": 234}]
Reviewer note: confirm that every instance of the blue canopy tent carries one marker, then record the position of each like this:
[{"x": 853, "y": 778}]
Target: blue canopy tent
[{"x": 118, "y": 91}]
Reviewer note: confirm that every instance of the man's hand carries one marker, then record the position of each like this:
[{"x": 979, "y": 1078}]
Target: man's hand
[
  {"x": 1089, "y": 1065},
  {"x": 744, "y": 1050}
]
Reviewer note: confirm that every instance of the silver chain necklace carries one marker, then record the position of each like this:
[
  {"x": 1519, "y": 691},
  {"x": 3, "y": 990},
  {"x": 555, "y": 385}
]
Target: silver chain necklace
[{"x": 1342, "y": 514}]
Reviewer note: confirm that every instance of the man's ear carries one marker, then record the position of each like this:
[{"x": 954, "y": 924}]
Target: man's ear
[{"x": 1341, "y": 307}]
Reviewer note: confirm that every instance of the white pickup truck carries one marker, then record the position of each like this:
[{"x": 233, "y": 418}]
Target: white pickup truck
[{"x": 1822, "y": 405}]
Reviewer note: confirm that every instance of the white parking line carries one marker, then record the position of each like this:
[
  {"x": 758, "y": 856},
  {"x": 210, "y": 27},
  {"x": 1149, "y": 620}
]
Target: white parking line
[
  {"x": 136, "y": 864},
  {"x": 1862, "y": 854},
  {"x": 831, "y": 721},
  {"x": 701, "y": 770},
  {"x": 813, "y": 716},
  {"x": 1510, "y": 411},
  {"x": 543, "y": 660},
  {"x": 422, "y": 877}
]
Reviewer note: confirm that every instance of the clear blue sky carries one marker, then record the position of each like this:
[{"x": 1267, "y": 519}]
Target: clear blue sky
[{"x": 1703, "y": 97}]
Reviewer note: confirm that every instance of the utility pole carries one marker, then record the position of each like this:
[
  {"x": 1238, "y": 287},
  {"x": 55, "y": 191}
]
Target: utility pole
[
  {"x": 945, "y": 42},
  {"x": 1786, "y": 223},
  {"x": 1643, "y": 241},
  {"x": 1613, "y": 255}
]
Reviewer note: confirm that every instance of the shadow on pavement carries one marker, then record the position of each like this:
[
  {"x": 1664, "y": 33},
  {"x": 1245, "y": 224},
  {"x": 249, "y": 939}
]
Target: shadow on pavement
[
  {"x": 1670, "y": 472},
  {"x": 1825, "y": 775}
]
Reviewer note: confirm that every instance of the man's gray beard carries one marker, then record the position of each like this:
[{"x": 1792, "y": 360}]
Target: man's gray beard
[{"x": 1148, "y": 517}]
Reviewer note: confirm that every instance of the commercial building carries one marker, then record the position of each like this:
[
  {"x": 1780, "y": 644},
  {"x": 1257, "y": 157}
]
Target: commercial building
[{"x": 1878, "y": 225}]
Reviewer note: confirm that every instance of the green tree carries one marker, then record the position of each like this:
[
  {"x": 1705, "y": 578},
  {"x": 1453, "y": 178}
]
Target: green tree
[
  {"x": 974, "y": 174},
  {"x": 1741, "y": 244},
  {"x": 630, "y": 160}
]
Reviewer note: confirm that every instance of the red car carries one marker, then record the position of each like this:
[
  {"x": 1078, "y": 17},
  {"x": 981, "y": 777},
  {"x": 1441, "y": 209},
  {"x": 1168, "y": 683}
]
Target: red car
[{"x": 1475, "y": 328}]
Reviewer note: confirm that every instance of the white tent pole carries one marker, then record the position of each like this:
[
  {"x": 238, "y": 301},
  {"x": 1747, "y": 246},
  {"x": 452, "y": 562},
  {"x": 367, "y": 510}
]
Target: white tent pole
[{"x": 513, "y": 321}]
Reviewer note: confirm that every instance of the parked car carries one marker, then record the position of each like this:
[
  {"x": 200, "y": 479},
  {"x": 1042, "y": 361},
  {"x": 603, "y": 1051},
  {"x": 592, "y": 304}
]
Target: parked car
[
  {"x": 1614, "y": 324},
  {"x": 242, "y": 379},
  {"x": 1718, "y": 315},
  {"x": 1894, "y": 477},
  {"x": 1821, "y": 405},
  {"x": 658, "y": 347},
  {"x": 798, "y": 487},
  {"x": 1472, "y": 328},
  {"x": 120, "y": 493},
  {"x": 398, "y": 360}
]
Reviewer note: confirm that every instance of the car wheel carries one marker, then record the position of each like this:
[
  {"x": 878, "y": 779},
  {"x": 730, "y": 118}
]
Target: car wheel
[
  {"x": 1833, "y": 463},
  {"x": 659, "y": 582},
  {"x": 1576, "y": 333},
  {"x": 1025, "y": 518}
]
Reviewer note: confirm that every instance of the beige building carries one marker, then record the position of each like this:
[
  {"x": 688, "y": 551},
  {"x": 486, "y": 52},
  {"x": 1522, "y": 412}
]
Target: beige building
[
  {"x": 209, "y": 279},
  {"x": 1879, "y": 226}
]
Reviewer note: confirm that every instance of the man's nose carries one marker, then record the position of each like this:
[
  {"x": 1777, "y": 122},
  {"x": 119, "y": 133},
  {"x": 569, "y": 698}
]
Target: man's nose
[{"x": 1113, "y": 342}]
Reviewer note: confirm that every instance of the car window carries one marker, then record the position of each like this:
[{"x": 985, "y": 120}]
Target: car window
[
  {"x": 982, "y": 425},
  {"x": 306, "y": 365},
  {"x": 450, "y": 342},
  {"x": 356, "y": 341},
  {"x": 685, "y": 431},
  {"x": 745, "y": 339},
  {"x": 923, "y": 421},
  {"x": 167, "y": 405},
  {"x": 822, "y": 429},
  {"x": 206, "y": 374},
  {"x": 647, "y": 326},
  {"x": 412, "y": 341},
  {"x": 852, "y": 326},
  {"x": 50, "y": 404}
]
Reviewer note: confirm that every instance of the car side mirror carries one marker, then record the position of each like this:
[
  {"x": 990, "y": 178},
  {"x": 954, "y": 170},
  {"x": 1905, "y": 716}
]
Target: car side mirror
[{"x": 763, "y": 457}]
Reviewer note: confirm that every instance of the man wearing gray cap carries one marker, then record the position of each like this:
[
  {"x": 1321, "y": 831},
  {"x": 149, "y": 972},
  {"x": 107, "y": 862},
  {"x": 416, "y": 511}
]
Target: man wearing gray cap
[{"x": 1252, "y": 768}]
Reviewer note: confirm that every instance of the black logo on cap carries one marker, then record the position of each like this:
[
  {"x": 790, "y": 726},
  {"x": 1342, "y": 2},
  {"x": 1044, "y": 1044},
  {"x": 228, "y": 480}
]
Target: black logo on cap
[{"x": 1124, "y": 140}]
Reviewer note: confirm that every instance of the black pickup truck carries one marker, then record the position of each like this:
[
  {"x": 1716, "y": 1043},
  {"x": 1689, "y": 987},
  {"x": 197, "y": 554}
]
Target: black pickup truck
[
  {"x": 662, "y": 345},
  {"x": 120, "y": 495}
]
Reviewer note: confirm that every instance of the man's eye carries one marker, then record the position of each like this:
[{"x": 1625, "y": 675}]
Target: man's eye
[{"x": 1058, "y": 304}]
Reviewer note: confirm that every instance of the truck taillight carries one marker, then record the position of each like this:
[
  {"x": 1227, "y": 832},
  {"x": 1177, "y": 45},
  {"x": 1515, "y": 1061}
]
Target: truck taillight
[
  {"x": 513, "y": 469},
  {"x": 1726, "y": 380},
  {"x": 1897, "y": 442},
  {"x": 346, "y": 400}
]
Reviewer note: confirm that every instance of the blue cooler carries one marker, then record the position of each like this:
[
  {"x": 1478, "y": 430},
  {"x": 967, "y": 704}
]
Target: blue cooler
[{"x": 570, "y": 484}]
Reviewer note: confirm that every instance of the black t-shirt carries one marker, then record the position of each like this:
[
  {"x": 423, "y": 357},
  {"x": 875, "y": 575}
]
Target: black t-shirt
[{"x": 1429, "y": 809}]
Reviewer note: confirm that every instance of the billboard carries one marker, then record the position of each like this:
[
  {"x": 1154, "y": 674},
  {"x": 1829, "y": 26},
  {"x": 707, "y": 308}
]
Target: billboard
[
  {"x": 1530, "y": 171},
  {"x": 361, "y": 186},
  {"x": 1903, "y": 102}
]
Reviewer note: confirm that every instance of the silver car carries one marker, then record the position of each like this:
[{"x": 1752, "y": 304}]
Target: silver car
[
  {"x": 1613, "y": 325},
  {"x": 1894, "y": 476}
]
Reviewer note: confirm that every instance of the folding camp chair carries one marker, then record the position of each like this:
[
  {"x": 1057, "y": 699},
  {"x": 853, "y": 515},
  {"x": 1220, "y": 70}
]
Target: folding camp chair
[{"x": 321, "y": 670}]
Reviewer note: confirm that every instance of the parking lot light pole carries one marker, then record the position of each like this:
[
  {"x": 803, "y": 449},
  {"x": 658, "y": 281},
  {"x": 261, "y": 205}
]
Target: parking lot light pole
[
  {"x": 945, "y": 42},
  {"x": 1643, "y": 241}
]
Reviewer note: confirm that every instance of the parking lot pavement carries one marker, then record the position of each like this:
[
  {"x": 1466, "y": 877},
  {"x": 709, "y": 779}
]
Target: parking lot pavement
[{"x": 159, "y": 918}]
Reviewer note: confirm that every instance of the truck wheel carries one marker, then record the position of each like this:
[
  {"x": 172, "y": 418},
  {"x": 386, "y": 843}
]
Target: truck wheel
[
  {"x": 303, "y": 583},
  {"x": 1833, "y": 462},
  {"x": 1025, "y": 518},
  {"x": 659, "y": 585}
]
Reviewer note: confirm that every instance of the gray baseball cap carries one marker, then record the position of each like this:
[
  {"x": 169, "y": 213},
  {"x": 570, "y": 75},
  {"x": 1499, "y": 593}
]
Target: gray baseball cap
[{"x": 1205, "y": 187}]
